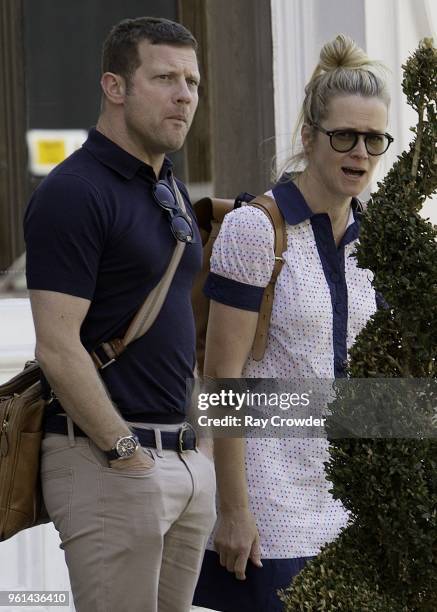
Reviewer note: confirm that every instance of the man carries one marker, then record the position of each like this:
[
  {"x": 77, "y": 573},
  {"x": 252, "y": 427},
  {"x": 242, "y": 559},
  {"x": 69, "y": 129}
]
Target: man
[{"x": 133, "y": 519}]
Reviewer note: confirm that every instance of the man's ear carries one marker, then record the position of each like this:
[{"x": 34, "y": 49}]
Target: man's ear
[
  {"x": 113, "y": 87},
  {"x": 307, "y": 136}
]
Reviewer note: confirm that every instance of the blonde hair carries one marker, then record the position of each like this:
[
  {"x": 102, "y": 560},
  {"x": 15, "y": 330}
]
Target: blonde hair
[{"x": 343, "y": 69}]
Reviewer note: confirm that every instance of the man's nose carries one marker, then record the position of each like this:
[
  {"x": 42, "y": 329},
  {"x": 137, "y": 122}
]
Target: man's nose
[{"x": 183, "y": 93}]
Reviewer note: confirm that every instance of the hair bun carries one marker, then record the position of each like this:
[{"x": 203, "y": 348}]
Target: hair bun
[{"x": 342, "y": 52}]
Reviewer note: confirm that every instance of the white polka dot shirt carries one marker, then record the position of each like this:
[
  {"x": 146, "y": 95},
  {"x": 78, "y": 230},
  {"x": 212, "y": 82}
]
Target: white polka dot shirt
[{"x": 322, "y": 301}]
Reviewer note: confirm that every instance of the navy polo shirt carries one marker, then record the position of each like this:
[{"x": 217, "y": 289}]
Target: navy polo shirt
[{"x": 93, "y": 230}]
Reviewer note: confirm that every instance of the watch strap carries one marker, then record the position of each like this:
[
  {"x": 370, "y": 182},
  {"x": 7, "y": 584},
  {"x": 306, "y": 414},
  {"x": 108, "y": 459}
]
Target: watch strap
[{"x": 112, "y": 454}]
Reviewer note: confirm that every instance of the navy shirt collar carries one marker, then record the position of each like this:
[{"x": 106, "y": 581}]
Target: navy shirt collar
[
  {"x": 294, "y": 208},
  {"x": 291, "y": 202},
  {"x": 119, "y": 160}
]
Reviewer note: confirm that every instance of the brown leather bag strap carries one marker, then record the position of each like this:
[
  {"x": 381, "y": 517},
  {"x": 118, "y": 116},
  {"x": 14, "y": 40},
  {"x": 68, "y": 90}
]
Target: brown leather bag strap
[
  {"x": 270, "y": 208},
  {"x": 151, "y": 307}
]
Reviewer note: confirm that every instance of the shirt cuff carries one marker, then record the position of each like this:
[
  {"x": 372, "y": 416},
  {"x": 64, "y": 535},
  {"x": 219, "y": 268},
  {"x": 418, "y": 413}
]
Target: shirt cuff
[{"x": 233, "y": 293}]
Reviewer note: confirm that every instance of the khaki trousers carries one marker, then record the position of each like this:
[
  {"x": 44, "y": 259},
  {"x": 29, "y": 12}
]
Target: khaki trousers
[{"x": 132, "y": 540}]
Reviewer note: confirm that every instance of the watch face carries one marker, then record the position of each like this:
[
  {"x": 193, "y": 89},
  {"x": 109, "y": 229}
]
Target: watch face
[{"x": 126, "y": 446}]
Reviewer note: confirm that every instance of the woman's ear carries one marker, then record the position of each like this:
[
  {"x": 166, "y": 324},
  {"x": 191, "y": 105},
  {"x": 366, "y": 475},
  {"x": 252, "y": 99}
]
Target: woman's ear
[{"x": 307, "y": 135}]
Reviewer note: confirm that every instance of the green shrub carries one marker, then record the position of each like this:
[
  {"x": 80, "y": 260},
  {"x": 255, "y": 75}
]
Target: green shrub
[{"x": 385, "y": 560}]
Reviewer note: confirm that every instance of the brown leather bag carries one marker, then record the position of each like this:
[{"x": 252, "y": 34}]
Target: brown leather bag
[
  {"x": 210, "y": 213},
  {"x": 21, "y": 414}
]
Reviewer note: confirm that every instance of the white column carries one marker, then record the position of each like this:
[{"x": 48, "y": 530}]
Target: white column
[{"x": 292, "y": 54}]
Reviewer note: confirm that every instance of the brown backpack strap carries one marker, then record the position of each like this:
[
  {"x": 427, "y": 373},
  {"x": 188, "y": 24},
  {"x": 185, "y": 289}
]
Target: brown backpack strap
[
  {"x": 210, "y": 213},
  {"x": 270, "y": 208}
]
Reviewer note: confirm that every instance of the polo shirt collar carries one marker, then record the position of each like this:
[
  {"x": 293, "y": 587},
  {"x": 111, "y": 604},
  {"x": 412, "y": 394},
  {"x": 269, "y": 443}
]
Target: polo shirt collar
[
  {"x": 119, "y": 160},
  {"x": 291, "y": 202},
  {"x": 294, "y": 208}
]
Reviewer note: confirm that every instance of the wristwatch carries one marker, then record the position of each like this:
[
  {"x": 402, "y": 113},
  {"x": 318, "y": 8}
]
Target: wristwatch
[{"x": 124, "y": 447}]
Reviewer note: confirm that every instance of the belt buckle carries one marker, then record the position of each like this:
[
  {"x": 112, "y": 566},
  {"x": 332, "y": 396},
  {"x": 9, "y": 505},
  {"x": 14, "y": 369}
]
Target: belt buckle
[{"x": 186, "y": 427}]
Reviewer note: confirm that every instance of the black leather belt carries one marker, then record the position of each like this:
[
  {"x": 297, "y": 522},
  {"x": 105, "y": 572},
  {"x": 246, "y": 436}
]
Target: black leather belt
[{"x": 180, "y": 441}]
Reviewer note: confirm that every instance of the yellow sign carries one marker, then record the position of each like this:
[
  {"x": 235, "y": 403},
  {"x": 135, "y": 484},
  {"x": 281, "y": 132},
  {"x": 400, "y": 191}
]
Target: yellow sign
[
  {"x": 48, "y": 148},
  {"x": 51, "y": 151}
]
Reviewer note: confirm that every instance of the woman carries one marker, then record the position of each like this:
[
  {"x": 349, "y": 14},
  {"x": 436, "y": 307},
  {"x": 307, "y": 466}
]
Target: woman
[{"x": 275, "y": 509}]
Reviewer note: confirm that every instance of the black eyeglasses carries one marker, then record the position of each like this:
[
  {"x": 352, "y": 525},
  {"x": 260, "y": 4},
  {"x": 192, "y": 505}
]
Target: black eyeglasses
[
  {"x": 343, "y": 141},
  {"x": 180, "y": 223}
]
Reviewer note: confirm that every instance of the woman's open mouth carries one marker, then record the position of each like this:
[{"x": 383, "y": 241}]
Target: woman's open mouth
[{"x": 353, "y": 172}]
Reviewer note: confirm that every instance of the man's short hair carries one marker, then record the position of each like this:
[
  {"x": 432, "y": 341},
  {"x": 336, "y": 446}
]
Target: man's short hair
[{"x": 120, "y": 49}]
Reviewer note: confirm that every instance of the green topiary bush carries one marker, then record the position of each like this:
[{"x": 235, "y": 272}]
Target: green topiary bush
[{"x": 386, "y": 559}]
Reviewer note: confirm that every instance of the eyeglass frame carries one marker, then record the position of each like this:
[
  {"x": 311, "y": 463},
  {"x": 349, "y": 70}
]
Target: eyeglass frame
[
  {"x": 174, "y": 212},
  {"x": 357, "y": 134}
]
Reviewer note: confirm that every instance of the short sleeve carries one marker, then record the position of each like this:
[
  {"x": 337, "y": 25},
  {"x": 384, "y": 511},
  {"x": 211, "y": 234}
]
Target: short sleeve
[
  {"x": 242, "y": 259},
  {"x": 65, "y": 228}
]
